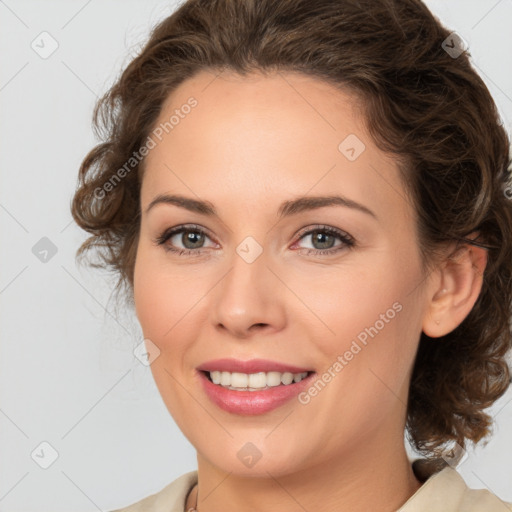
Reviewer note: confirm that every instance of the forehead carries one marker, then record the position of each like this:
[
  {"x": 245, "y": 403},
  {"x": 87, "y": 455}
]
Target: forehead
[{"x": 276, "y": 136}]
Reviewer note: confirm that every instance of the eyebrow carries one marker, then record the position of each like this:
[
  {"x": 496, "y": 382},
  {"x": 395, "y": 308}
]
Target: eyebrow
[{"x": 287, "y": 208}]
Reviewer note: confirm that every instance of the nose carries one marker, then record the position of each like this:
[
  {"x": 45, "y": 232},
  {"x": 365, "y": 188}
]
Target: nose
[{"x": 249, "y": 298}]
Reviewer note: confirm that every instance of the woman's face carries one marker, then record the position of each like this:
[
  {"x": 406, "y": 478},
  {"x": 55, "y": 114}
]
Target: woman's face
[{"x": 258, "y": 282}]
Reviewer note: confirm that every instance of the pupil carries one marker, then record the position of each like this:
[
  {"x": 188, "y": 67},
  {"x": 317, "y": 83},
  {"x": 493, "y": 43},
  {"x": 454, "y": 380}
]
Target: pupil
[
  {"x": 322, "y": 235},
  {"x": 189, "y": 237}
]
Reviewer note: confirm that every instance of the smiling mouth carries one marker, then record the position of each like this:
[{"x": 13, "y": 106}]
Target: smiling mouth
[{"x": 254, "y": 381}]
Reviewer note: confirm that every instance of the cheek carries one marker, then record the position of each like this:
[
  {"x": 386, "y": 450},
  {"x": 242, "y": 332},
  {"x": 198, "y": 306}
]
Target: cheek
[
  {"x": 371, "y": 319},
  {"x": 163, "y": 303},
  {"x": 349, "y": 300},
  {"x": 150, "y": 296},
  {"x": 366, "y": 362},
  {"x": 162, "y": 296}
]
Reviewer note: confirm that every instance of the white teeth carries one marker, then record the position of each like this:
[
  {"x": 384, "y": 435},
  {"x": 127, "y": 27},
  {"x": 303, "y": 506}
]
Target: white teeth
[
  {"x": 255, "y": 381},
  {"x": 239, "y": 380},
  {"x": 273, "y": 379}
]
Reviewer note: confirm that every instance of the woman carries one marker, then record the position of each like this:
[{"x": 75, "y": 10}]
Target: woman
[{"x": 308, "y": 204}]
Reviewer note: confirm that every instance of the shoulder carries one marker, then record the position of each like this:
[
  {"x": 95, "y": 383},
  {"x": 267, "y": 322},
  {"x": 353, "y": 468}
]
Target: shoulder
[
  {"x": 443, "y": 491},
  {"x": 447, "y": 491},
  {"x": 170, "y": 499}
]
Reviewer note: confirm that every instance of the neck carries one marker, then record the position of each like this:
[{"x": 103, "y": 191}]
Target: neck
[{"x": 377, "y": 478}]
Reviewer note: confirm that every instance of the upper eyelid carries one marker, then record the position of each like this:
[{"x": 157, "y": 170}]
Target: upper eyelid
[
  {"x": 319, "y": 227},
  {"x": 306, "y": 231},
  {"x": 170, "y": 232}
]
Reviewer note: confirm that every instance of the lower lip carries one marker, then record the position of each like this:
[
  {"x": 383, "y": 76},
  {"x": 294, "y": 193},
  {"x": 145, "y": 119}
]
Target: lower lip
[{"x": 252, "y": 402}]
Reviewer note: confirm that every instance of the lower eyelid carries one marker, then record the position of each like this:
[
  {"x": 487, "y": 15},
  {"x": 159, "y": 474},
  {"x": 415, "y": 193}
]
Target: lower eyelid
[
  {"x": 346, "y": 240},
  {"x": 180, "y": 233},
  {"x": 343, "y": 237}
]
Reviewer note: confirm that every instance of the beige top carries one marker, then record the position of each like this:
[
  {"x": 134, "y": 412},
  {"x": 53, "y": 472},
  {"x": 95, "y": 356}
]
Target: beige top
[{"x": 445, "y": 491}]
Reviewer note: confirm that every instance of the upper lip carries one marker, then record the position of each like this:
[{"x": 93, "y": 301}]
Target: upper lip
[{"x": 249, "y": 366}]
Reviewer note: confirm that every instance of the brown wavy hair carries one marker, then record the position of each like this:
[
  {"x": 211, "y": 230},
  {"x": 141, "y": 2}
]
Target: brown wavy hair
[{"x": 425, "y": 106}]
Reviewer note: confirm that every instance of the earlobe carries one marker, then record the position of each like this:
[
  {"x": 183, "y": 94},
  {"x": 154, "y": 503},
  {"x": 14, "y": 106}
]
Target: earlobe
[{"x": 457, "y": 290}]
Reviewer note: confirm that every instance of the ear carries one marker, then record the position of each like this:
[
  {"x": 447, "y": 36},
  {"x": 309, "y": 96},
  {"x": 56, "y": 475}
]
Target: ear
[{"x": 455, "y": 287}]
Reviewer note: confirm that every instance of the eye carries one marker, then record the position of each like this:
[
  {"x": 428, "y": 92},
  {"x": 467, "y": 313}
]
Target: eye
[
  {"x": 324, "y": 237},
  {"x": 192, "y": 237}
]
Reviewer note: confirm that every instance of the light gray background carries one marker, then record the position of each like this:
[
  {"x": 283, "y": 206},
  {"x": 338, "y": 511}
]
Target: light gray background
[{"x": 67, "y": 372}]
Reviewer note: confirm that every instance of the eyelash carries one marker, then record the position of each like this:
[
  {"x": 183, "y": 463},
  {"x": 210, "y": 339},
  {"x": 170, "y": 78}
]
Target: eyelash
[{"x": 347, "y": 240}]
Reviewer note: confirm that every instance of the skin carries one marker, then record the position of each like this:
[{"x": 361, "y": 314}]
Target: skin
[{"x": 251, "y": 143}]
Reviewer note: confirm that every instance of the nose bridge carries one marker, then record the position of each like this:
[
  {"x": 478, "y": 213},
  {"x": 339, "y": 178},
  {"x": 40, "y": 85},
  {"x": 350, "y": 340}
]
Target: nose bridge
[
  {"x": 247, "y": 277},
  {"x": 247, "y": 294}
]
